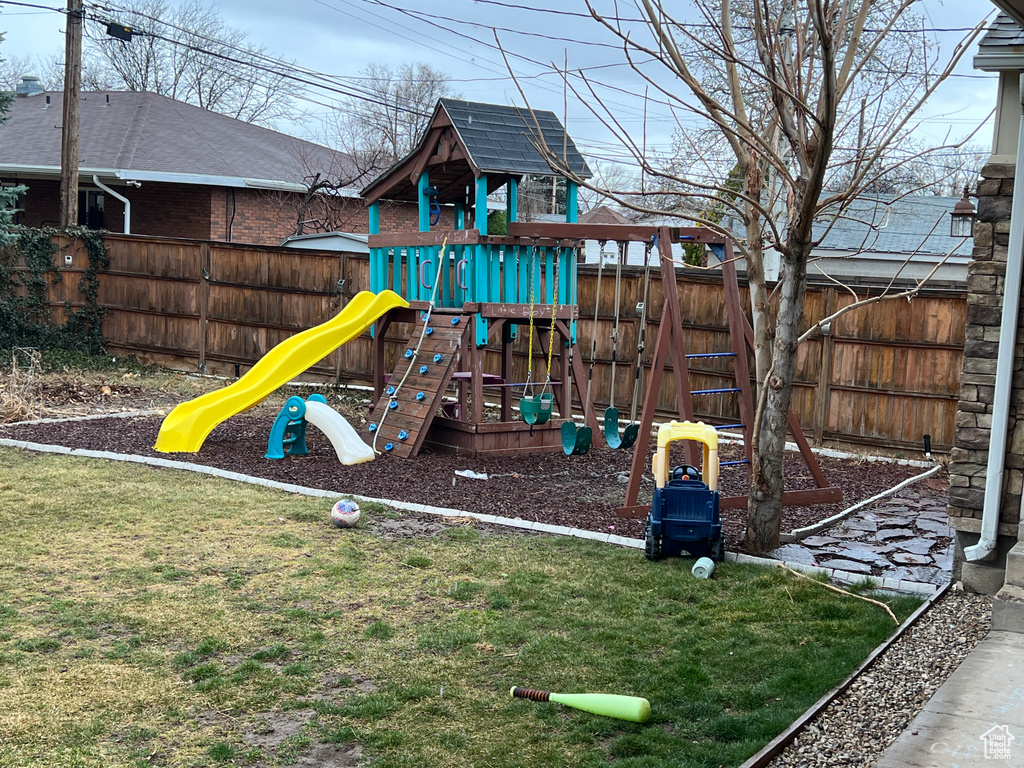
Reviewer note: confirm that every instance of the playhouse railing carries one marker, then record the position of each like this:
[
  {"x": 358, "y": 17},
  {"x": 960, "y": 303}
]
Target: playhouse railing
[{"x": 473, "y": 269}]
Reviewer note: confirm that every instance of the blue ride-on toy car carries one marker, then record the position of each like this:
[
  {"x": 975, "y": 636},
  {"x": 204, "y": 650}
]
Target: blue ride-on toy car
[{"x": 684, "y": 513}]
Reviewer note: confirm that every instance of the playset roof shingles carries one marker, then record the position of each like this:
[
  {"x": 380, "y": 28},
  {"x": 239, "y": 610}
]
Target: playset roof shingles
[{"x": 496, "y": 140}]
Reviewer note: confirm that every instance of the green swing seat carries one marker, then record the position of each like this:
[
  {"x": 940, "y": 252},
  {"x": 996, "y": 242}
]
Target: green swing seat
[
  {"x": 611, "y": 430},
  {"x": 576, "y": 440},
  {"x": 537, "y": 409}
]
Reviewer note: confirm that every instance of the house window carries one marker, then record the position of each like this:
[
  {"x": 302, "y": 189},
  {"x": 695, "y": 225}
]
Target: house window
[{"x": 90, "y": 208}]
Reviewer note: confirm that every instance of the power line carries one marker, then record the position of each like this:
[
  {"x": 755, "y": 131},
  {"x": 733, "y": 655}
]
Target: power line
[
  {"x": 303, "y": 78},
  {"x": 33, "y": 5},
  {"x": 685, "y": 24}
]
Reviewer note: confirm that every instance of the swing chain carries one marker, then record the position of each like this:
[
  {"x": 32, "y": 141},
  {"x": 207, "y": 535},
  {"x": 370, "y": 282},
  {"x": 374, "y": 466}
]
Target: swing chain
[
  {"x": 642, "y": 332},
  {"x": 532, "y": 288},
  {"x": 551, "y": 332}
]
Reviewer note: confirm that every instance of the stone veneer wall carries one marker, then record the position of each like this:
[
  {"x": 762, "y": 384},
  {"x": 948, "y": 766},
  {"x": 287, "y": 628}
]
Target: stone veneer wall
[{"x": 968, "y": 459}]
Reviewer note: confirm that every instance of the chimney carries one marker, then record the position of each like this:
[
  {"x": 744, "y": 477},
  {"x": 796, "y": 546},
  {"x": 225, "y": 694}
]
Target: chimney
[{"x": 29, "y": 86}]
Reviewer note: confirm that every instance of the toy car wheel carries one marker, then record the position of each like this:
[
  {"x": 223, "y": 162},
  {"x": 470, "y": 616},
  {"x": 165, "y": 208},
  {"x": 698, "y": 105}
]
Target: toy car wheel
[
  {"x": 717, "y": 549},
  {"x": 652, "y": 548}
]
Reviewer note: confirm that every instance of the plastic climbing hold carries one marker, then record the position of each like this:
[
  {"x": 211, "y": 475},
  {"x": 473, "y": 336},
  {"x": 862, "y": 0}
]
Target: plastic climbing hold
[
  {"x": 408, "y": 353},
  {"x": 373, "y": 426},
  {"x": 391, "y": 390},
  {"x": 424, "y": 317},
  {"x": 455, "y": 321},
  {"x": 429, "y": 331},
  {"x": 424, "y": 369},
  {"x": 393, "y": 404},
  {"x": 403, "y": 435},
  {"x": 389, "y": 446},
  {"x": 438, "y": 357},
  {"x": 420, "y": 395}
]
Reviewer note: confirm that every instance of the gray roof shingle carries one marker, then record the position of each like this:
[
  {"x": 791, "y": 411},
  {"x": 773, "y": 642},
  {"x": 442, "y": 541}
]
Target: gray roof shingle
[
  {"x": 499, "y": 137},
  {"x": 913, "y": 223},
  {"x": 144, "y": 132},
  {"x": 1002, "y": 33}
]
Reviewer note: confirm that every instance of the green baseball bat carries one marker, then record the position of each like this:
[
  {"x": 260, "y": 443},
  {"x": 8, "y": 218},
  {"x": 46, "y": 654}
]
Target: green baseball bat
[{"x": 631, "y": 708}]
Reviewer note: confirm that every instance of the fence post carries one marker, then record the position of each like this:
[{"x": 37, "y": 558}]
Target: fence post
[
  {"x": 341, "y": 353},
  {"x": 204, "y": 301},
  {"x": 824, "y": 389}
]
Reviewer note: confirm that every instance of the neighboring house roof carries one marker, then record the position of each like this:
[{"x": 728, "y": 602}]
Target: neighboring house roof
[
  {"x": 1013, "y": 7},
  {"x": 1002, "y": 46},
  {"x": 147, "y": 137},
  {"x": 915, "y": 223},
  {"x": 465, "y": 140},
  {"x": 603, "y": 215},
  {"x": 347, "y": 242}
]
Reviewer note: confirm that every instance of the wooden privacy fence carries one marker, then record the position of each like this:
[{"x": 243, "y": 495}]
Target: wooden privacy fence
[{"x": 885, "y": 375}]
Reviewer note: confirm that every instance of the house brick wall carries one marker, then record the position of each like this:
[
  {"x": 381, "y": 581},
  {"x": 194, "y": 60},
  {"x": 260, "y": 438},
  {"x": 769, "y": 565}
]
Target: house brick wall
[
  {"x": 985, "y": 283},
  {"x": 175, "y": 210},
  {"x": 157, "y": 209},
  {"x": 219, "y": 213},
  {"x": 42, "y": 202}
]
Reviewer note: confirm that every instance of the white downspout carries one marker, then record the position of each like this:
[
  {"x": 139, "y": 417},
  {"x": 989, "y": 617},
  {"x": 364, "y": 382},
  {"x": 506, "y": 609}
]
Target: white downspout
[
  {"x": 123, "y": 199},
  {"x": 1004, "y": 364}
]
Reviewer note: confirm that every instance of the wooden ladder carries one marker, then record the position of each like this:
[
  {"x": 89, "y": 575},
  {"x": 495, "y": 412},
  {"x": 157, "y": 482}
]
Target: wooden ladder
[{"x": 408, "y": 404}]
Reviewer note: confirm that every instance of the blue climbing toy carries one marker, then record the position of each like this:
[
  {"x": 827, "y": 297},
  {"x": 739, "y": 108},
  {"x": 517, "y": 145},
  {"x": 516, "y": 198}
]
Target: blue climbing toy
[{"x": 288, "y": 435}]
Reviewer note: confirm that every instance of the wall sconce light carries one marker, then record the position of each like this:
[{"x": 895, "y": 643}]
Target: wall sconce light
[{"x": 962, "y": 217}]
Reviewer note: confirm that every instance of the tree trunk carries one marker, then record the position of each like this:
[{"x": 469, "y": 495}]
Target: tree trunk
[{"x": 764, "y": 509}]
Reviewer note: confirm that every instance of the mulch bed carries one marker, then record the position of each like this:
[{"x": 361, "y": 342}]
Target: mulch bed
[{"x": 580, "y": 491}]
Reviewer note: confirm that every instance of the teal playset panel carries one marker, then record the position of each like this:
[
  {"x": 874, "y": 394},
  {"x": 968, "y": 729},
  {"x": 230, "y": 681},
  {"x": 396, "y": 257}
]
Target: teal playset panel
[{"x": 486, "y": 273}]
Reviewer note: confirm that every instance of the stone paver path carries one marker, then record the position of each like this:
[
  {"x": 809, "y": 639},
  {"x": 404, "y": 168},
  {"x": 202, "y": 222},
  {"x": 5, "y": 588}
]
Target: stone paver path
[{"x": 903, "y": 537}]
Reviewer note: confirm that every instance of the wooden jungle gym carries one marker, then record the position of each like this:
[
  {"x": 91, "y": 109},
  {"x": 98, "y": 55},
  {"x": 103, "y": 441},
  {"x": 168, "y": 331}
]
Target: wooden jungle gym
[{"x": 468, "y": 289}]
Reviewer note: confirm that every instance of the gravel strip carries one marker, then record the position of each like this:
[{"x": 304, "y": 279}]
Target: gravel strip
[{"x": 856, "y": 728}]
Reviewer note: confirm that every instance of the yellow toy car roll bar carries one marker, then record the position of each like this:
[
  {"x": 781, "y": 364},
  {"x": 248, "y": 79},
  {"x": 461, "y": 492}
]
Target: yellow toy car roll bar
[{"x": 687, "y": 430}]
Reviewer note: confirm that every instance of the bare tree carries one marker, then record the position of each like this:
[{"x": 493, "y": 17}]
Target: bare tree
[
  {"x": 384, "y": 121},
  {"x": 188, "y": 52},
  {"x": 49, "y": 69},
  {"x": 780, "y": 84},
  {"x": 607, "y": 175},
  {"x": 12, "y": 69},
  {"x": 329, "y": 202}
]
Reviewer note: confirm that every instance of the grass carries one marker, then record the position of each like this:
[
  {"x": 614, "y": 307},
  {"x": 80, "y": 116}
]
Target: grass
[{"x": 149, "y": 617}]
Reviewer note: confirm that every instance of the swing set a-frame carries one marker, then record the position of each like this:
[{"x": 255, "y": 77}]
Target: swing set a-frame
[{"x": 670, "y": 345}]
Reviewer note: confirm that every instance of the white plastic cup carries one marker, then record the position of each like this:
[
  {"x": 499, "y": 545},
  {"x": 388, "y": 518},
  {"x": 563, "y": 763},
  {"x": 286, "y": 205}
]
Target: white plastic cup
[{"x": 703, "y": 568}]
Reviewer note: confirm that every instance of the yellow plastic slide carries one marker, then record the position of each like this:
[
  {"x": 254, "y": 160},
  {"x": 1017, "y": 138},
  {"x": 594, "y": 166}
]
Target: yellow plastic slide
[{"x": 187, "y": 426}]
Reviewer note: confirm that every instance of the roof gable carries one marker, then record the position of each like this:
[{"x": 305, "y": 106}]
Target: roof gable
[{"x": 602, "y": 214}]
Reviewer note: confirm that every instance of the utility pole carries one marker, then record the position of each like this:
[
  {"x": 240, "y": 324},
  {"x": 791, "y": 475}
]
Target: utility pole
[{"x": 69, "y": 124}]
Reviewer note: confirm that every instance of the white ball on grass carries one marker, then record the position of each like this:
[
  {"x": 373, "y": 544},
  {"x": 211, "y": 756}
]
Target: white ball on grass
[{"x": 345, "y": 513}]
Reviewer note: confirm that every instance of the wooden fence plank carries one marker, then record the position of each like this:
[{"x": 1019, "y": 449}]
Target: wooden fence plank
[{"x": 886, "y": 374}]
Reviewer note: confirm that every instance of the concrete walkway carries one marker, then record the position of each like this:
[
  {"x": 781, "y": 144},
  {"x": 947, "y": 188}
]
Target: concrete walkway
[{"x": 976, "y": 718}]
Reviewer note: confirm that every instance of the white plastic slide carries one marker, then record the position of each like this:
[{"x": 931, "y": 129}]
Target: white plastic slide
[{"x": 346, "y": 441}]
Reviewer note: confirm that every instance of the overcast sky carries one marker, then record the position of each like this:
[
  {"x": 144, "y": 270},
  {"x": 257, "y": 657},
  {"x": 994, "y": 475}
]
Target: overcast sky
[{"x": 342, "y": 36}]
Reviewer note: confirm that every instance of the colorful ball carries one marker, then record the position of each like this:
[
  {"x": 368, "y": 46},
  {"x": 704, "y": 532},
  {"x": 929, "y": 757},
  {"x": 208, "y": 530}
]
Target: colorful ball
[{"x": 345, "y": 513}]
